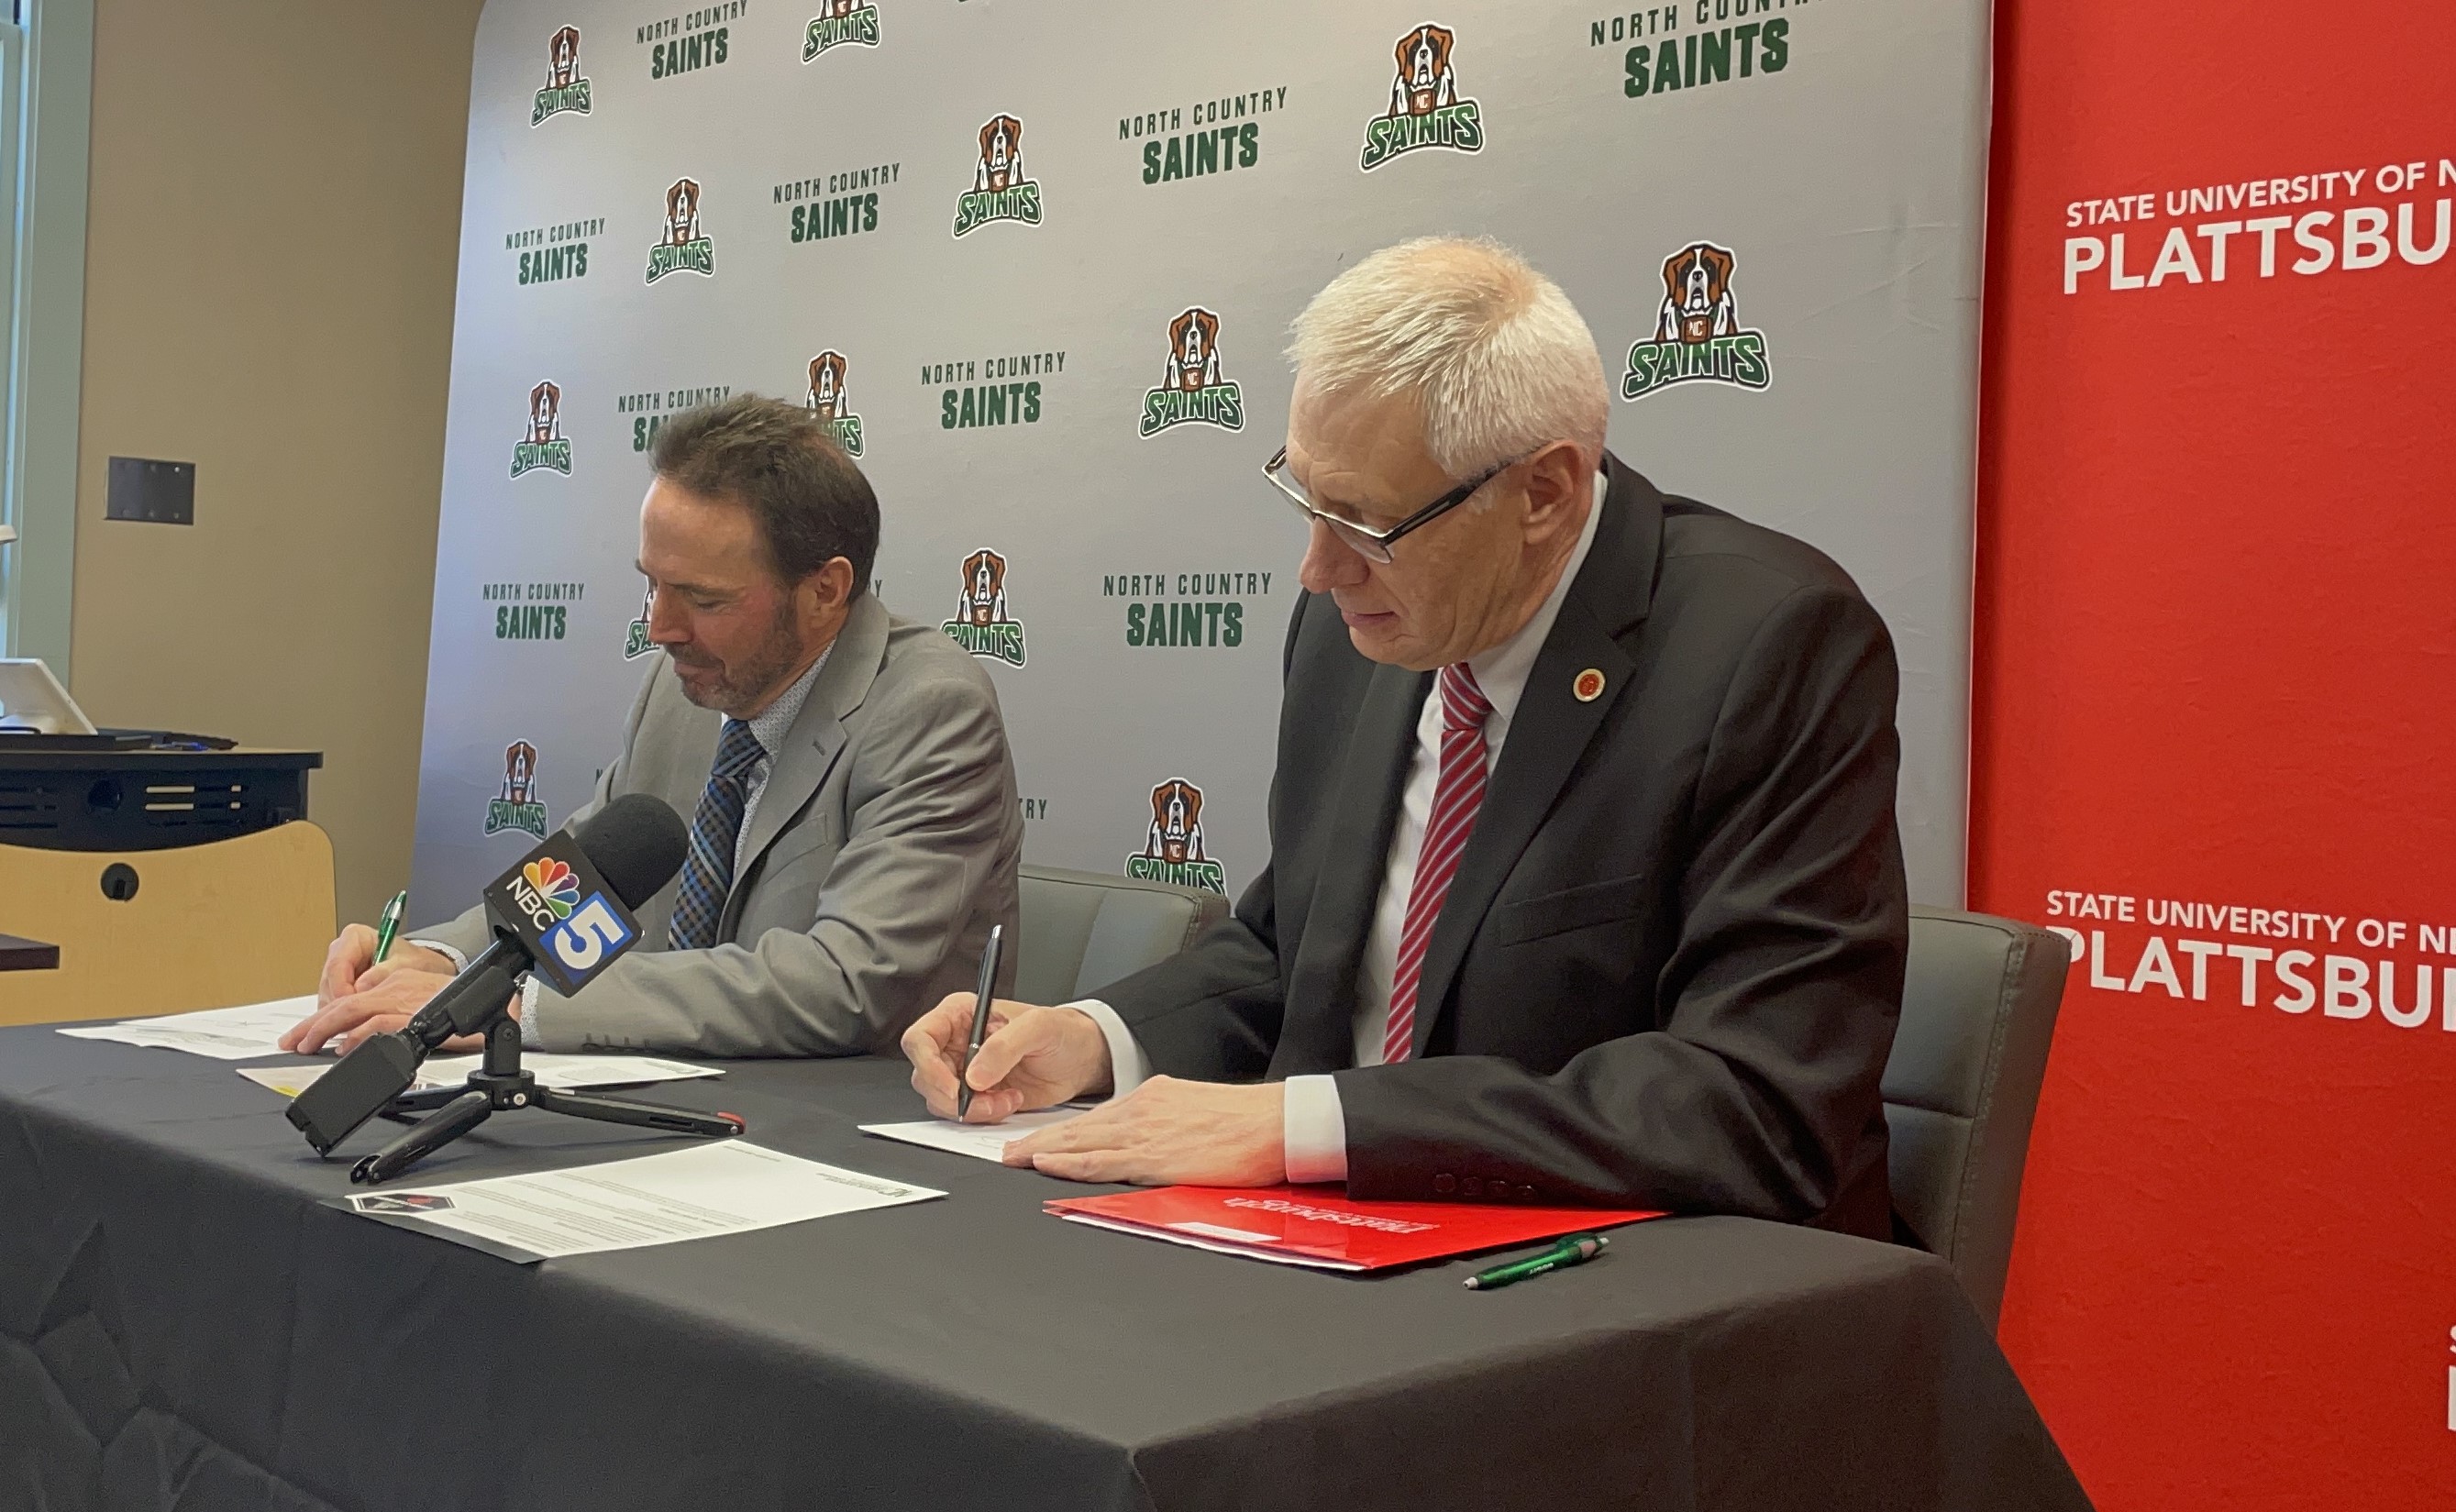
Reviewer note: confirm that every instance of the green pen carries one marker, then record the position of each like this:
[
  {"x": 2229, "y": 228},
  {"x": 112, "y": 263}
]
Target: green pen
[
  {"x": 389, "y": 924},
  {"x": 1571, "y": 1249}
]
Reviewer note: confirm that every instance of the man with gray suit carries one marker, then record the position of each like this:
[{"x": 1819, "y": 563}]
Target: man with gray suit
[{"x": 855, "y": 828}]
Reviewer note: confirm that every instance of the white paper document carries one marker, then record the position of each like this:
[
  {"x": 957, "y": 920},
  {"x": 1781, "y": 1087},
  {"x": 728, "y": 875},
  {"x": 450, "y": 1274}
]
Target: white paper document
[
  {"x": 225, "y": 1033},
  {"x": 723, "y": 1187},
  {"x": 564, "y": 1073},
  {"x": 570, "y": 1073},
  {"x": 982, "y": 1141}
]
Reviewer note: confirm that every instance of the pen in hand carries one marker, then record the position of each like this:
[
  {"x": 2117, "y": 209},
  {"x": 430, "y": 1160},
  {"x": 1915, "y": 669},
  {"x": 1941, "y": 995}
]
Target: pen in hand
[
  {"x": 980, "y": 1018},
  {"x": 388, "y": 927}
]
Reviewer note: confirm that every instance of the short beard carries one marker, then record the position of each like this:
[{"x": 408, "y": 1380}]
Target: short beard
[{"x": 750, "y": 684}]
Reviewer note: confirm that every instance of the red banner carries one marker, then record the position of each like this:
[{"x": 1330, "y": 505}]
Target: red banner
[{"x": 2216, "y": 691}]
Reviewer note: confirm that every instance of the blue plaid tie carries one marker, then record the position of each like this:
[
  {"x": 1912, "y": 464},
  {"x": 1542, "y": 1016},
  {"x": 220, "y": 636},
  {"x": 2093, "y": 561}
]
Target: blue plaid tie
[{"x": 707, "y": 873}]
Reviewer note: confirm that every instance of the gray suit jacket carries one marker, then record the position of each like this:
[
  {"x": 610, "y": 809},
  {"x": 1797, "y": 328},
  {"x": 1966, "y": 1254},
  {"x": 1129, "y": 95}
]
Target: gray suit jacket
[{"x": 882, "y": 850}]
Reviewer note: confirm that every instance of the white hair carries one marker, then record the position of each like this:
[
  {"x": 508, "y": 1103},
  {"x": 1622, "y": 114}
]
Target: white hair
[{"x": 1499, "y": 359}]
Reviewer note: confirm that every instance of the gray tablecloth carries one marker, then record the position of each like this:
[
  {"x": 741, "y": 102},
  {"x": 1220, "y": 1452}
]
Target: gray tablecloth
[{"x": 183, "y": 1323}]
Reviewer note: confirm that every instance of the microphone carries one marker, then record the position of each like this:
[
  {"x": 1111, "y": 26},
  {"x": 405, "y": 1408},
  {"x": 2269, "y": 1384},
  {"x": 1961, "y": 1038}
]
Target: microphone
[{"x": 564, "y": 912}]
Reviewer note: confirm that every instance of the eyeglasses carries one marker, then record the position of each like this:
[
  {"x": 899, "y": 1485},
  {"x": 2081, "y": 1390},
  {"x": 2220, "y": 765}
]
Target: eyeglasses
[{"x": 1374, "y": 545}]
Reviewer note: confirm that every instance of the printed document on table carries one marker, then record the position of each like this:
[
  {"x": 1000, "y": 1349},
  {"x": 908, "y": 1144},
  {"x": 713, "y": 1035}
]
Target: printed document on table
[
  {"x": 225, "y": 1033},
  {"x": 570, "y": 1073},
  {"x": 726, "y": 1187},
  {"x": 982, "y": 1141},
  {"x": 564, "y": 1073}
]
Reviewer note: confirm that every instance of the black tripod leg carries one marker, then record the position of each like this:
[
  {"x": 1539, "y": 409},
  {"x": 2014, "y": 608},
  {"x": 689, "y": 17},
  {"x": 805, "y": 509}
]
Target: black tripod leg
[
  {"x": 425, "y": 1101},
  {"x": 644, "y": 1116},
  {"x": 427, "y": 1135}
]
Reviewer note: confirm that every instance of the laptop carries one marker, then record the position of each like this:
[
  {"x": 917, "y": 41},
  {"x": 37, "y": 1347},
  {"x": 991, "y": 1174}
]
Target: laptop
[{"x": 33, "y": 702}]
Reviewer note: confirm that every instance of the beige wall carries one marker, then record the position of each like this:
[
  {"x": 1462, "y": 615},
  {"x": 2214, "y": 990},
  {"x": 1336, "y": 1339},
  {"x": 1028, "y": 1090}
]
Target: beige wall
[{"x": 272, "y": 232}]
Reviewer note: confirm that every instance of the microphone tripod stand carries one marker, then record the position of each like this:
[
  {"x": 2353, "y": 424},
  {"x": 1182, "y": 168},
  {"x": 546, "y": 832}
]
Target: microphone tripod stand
[{"x": 501, "y": 1084}]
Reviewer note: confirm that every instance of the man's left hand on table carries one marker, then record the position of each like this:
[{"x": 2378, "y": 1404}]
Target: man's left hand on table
[
  {"x": 1167, "y": 1132},
  {"x": 384, "y": 1008}
]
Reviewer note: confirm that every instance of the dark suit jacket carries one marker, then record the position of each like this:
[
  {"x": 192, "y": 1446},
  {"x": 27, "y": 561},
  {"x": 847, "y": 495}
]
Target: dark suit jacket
[{"x": 1668, "y": 972}]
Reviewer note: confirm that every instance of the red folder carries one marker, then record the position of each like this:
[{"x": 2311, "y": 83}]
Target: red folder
[{"x": 1317, "y": 1226}]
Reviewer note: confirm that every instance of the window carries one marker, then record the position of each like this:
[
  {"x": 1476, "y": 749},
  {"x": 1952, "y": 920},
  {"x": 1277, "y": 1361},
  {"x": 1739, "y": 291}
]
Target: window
[{"x": 46, "y": 98}]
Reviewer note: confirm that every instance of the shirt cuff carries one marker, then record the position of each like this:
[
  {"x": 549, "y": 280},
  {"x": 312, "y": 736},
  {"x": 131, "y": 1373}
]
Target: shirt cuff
[
  {"x": 1314, "y": 1128},
  {"x": 1128, "y": 1067},
  {"x": 460, "y": 962}
]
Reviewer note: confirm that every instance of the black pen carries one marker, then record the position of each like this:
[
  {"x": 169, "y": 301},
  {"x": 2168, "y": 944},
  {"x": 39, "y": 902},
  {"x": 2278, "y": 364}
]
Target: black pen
[{"x": 980, "y": 1016}]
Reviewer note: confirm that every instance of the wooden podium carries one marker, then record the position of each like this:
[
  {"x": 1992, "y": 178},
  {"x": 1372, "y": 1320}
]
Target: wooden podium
[{"x": 140, "y": 933}]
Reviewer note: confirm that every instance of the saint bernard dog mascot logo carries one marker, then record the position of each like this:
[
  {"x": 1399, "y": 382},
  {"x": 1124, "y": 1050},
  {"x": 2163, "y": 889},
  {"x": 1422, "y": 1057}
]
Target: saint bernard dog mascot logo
[
  {"x": 840, "y": 21},
  {"x": 544, "y": 445},
  {"x": 1425, "y": 110},
  {"x": 685, "y": 250},
  {"x": 1190, "y": 389},
  {"x": 518, "y": 806},
  {"x": 1172, "y": 848},
  {"x": 565, "y": 88},
  {"x": 1698, "y": 338},
  {"x": 982, "y": 624},
  {"x": 1000, "y": 188},
  {"x": 635, "y": 642},
  {"x": 826, "y": 400}
]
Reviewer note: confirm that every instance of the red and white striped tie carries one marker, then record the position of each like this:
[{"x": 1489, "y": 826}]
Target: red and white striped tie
[{"x": 1458, "y": 797}]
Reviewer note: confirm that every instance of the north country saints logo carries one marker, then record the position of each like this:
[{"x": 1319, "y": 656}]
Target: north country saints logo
[
  {"x": 1425, "y": 110},
  {"x": 1000, "y": 188},
  {"x": 565, "y": 88},
  {"x": 842, "y": 21},
  {"x": 518, "y": 806},
  {"x": 1172, "y": 848},
  {"x": 826, "y": 400},
  {"x": 635, "y": 642},
  {"x": 982, "y": 624},
  {"x": 1191, "y": 390},
  {"x": 685, "y": 250},
  {"x": 1698, "y": 338},
  {"x": 543, "y": 446}
]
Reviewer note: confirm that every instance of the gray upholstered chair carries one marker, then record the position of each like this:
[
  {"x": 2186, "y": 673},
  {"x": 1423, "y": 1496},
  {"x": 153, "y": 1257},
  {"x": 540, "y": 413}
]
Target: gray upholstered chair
[
  {"x": 1083, "y": 929},
  {"x": 1962, "y": 1085}
]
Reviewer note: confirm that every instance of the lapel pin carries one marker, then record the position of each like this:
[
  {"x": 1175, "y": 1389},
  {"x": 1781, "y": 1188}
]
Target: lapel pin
[{"x": 1589, "y": 686}]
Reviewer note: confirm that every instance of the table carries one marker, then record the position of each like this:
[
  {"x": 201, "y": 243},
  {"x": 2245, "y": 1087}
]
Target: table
[
  {"x": 17, "y": 953},
  {"x": 181, "y": 1319}
]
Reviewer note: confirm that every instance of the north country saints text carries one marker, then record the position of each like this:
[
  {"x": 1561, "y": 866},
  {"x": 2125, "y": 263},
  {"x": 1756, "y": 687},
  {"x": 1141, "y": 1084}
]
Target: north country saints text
[
  {"x": 648, "y": 411},
  {"x": 970, "y": 404},
  {"x": 1185, "y": 609},
  {"x": 531, "y": 611},
  {"x": 687, "y": 43},
  {"x": 825, "y": 206},
  {"x": 549, "y": 254},
  {"x": 1705, "y": 57},
  {"x": 1222, "y": 140}
]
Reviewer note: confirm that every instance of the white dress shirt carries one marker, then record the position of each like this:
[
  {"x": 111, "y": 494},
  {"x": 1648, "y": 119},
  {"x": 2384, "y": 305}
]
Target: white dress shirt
[
  {"x": 1313, "y": 1126},
  {"x": 768, "y": 727}
]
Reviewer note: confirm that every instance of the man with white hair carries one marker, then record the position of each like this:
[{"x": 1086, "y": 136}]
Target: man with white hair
[{"x": 1584, "y": 883}]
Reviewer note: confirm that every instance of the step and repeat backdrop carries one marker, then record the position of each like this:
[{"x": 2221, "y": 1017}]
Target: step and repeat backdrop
[{"x": 1036, "y": 261}]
